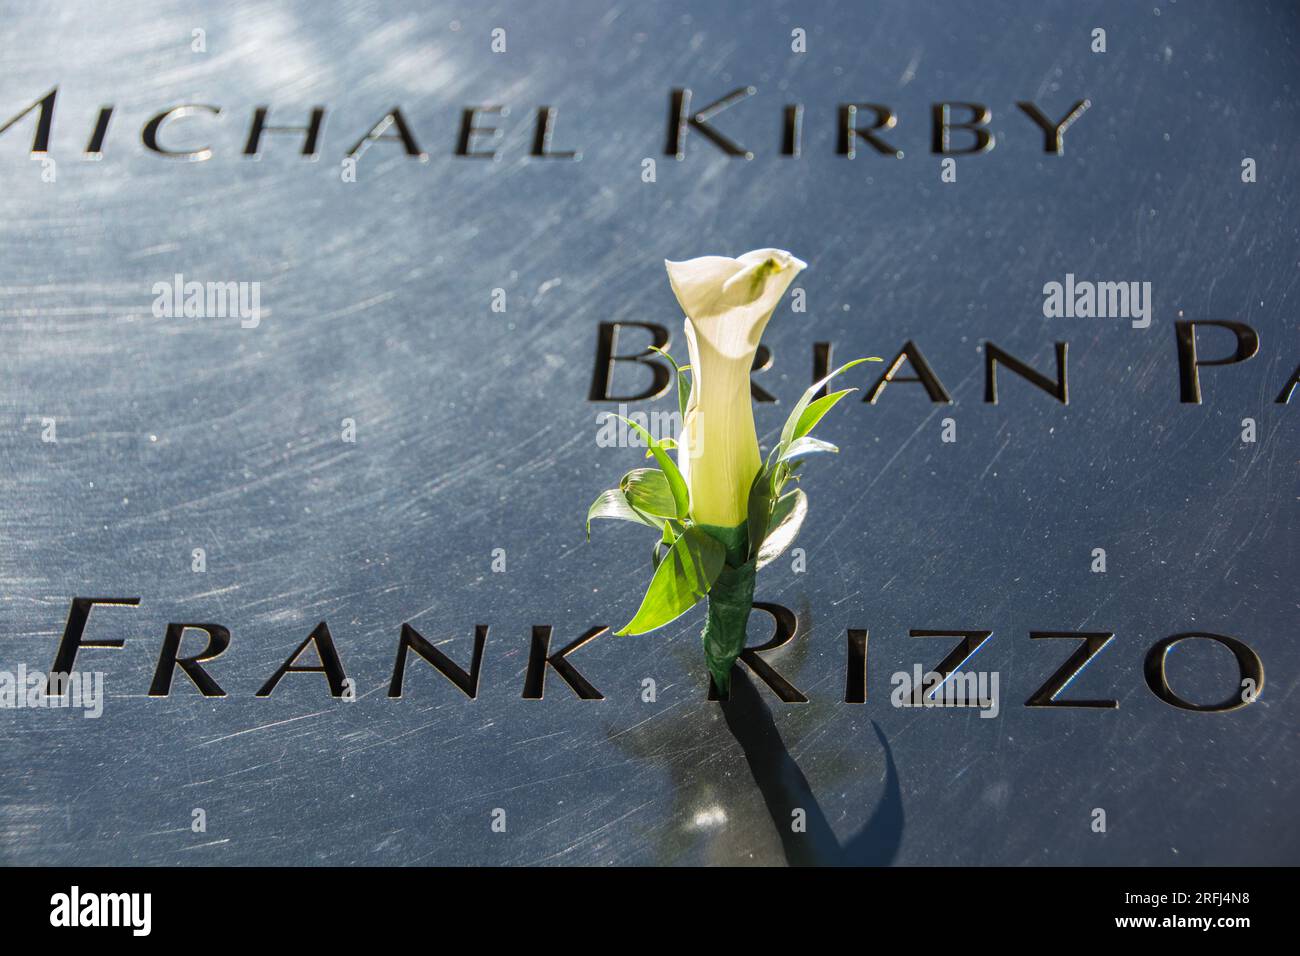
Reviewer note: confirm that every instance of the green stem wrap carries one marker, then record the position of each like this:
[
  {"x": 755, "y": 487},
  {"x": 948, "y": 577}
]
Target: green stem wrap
[{"x": 730, "y": 600}]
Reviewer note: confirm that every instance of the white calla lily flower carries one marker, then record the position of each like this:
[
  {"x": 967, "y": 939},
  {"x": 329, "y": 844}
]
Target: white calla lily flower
[
  {"x": 728, "y": 303},
  {"x": 712, "y": 537}
]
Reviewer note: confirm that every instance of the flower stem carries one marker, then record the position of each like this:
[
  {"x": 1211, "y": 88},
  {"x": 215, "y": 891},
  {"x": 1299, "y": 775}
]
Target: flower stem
[{"x": 730, "y": 600}]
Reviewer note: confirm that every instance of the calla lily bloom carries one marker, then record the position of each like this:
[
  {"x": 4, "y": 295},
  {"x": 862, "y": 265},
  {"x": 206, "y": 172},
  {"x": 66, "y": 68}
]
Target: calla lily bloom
[
  {"x": 728, "y": 303},
  {"x": 721, "y": 511}
]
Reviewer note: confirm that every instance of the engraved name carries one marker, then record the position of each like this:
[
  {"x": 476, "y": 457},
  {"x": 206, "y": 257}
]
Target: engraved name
[{"x": 413, "y": 647}]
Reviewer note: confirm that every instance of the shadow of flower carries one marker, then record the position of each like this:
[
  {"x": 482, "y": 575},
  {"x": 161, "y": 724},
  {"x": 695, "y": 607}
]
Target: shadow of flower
[{"x": 785, "y": 790}]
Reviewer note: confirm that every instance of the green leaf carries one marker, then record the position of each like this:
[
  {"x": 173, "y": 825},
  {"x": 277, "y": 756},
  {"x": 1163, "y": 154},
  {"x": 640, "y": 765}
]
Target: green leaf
[
  {"x": 787, "y": 518},
  {"x": 814, "y": 412},
  {"x": 667, "y": 444},
  {"x": 806, "y": 446},
  {"x": 646, "y": 490},
  {"x": 613, "y": 504},
  {"x": 683, "y": 383},
  {"x": 796, "y": 413},
  {"x": 760, "y": 508},
  {"x": 681, "y": 579},
  {"x": 681, "y": 497}
]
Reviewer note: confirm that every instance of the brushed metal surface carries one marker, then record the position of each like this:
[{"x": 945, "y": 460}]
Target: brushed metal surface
[{"x": 474, "y": 432}]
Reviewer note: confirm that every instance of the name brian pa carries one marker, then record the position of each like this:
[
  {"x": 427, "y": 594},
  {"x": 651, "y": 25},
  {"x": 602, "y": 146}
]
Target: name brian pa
[
  {"x": 543, "y": 661},
  {"x": 616, "y": 360}
]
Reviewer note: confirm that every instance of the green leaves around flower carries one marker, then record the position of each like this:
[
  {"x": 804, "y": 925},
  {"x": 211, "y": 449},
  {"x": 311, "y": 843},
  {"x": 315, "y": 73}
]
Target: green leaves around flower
[
  {"x": 760, "y": 509},
  {"x": 614, "y": 504},
  {"x": 815, "y": 410},
  {"x": 676, "y": 483},
  {"x": 786, "y": 520},
  {"x": 683, "y": 383},
  {"x": 797, "y": 417},
  {"x": 775, "y": 516},
  {"x": 643, "y": 495},
  {"x": 647, "y": 491},
  {"x": 807, "y": 445},
  {"x": 681, "y": 579},
  {"x": 687, "y": 560},
  {"x": 796, "y": 443}
]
